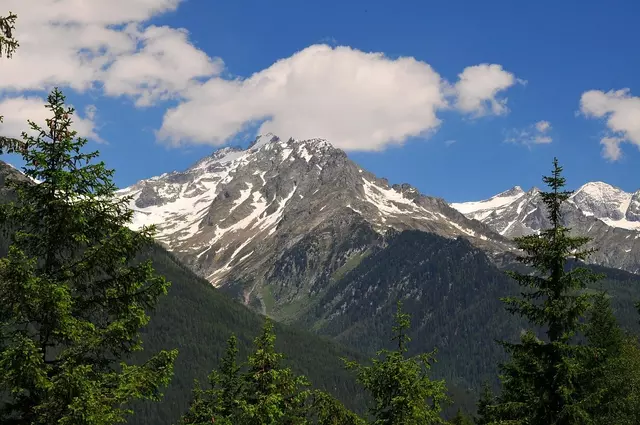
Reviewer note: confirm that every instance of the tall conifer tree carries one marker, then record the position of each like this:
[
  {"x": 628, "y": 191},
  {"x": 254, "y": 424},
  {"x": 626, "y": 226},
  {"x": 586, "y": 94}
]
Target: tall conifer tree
[
  {"x": 402, "y": 391},
  {"x": 272, "y": 394},
  {"x": 8, "y": 42},
  {"x": 8, "y": 45},
  {"x": 220, "y": 401},
  {"x": 611, "y": 383},
  {"x": 73, "y": 293},
  {"x": 541, "y": 381}
]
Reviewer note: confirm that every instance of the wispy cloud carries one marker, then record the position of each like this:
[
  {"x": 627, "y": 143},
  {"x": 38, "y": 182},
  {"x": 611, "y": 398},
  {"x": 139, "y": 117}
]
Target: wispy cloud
[{"x": 534, "y": 134}]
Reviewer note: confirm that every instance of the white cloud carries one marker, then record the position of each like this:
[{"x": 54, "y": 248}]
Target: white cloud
[
  {"x": 611, "y": 148},
  {"x": 84, "y": 44},
  {"x": 165, "y": 66},
  {"x": 535, "y": 134},
  {"x": 622, "y": 111},
  {"x": 18, "y": 110},
  {"x": 358, "y": 100},
  {"x": 449, "y": 142},
  {"x": 543, "y": 126},
  {"x": 479, "y": 88}
]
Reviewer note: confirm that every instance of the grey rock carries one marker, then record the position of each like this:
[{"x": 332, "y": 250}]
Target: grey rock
[{"x": 606, "y": 214}]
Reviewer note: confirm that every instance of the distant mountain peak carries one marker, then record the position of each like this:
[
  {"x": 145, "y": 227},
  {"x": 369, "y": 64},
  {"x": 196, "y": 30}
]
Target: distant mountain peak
[
  {"x": 533, "y": 191},
  {"x": 599, "y": 190},
  {"x": 607, "y": 214},
  {"x": 263, "y": 140},
  {"x": 514, "y": 191}
]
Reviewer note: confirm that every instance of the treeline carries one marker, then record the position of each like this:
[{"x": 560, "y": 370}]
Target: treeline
[
  {"x": 262, "y": 391},
  {"x": 75, "y": 293}
]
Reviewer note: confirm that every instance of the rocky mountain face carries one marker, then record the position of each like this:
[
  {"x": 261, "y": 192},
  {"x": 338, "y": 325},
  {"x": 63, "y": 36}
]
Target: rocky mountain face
[
  {"x": 277, "y": 223},
  {"x": 201, "y": 333},
  {"x": 600, "y": 211},
  {"x": 297, "y": 230}
]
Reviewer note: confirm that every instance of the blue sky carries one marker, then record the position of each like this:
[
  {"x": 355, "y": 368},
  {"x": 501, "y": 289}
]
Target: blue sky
[{"x": 546, "y": 57}]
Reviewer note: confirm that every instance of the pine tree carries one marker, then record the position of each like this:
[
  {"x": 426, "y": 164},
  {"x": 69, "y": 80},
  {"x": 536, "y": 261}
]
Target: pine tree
[
  {"x": 73, "y": 290},
  {"x": 326, "y": 410},
  {"x": 540, "y": 382},
  {"x": 219, "y": 402},
  {"x": 8, "y": 43},
  {"x": 611, "y": 383},
  {"x": 267, "y": 393},
  {"x": 402, "y": 391},
  {"x": 485, "y": 405},
  {"x": 461, "y": 419},
  {"x": 271, "y": 393}
]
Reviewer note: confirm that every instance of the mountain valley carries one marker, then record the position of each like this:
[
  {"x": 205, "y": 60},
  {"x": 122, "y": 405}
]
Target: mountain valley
[
  {"x": 278, "y": 223},
  {"x": 299, "y": 232}
]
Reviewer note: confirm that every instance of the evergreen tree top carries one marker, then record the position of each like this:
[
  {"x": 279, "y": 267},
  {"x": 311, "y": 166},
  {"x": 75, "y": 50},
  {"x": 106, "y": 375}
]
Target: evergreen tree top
[{"x": 8, "y": 43}]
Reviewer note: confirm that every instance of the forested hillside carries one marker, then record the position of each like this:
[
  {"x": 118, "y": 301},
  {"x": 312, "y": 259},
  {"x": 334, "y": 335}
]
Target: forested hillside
[
  {"x": 453, "y": 291},
  {"x": 197, "y": 319},
  {"x": 282, "y": 283}
]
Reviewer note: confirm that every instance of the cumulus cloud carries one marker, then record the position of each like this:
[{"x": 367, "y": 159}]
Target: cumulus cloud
[
  {"x": 535, "y": 134},
  {"x": 165, "y": 66},
  {"x": 358, "y": 100},
  {"x": 622, "y": 113},
  {"x": 480, "y": 87},
  {"x": 83, "y": 45},
  {"x": 18, "y": 110}
]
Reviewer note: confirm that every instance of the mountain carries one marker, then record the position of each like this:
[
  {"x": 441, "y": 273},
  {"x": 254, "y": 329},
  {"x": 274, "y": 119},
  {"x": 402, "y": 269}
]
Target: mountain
[
  {"x": 607, "y": 214},
  {"x": 197, "y": 319},
  {"x": 298, "y": 231},
  {"x": 237, "y": 216}
]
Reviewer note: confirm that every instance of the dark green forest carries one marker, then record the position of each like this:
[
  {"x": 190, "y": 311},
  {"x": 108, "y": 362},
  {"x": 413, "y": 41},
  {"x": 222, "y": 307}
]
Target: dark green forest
[{"x": 101, "y": 325}]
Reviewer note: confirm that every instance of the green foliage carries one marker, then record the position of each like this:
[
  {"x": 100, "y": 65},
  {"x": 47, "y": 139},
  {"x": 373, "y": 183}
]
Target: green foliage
[
  {"x": 8, "y": 43},
  {"x": 221, "y": 399},
  {"x": 272, "y": 394},
  {"x": 461, "y": 419},
  {"x": 611, "y": 382},
  {"x": 540, "y": 382},
  {"x": 485, "y": 406},
  {"x": 326, "y": 410},
  {"x": 266, "y": 393},
  {"x": 402, "y": 391},
  {"x": 71, "y": 301}
]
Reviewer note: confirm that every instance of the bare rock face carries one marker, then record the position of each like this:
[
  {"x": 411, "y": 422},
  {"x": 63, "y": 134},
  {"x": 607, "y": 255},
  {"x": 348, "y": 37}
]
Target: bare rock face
[
  {"x": 633, "y": 212},
  {"x": 274, "y": 222},
  {"x": 608, "y": 215},
  {"x": 279, "y": 223}
]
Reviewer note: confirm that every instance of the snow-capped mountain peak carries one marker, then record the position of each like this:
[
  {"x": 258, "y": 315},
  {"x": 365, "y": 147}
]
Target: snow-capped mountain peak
[
  {"x": 480, "y": 209},
  {"x": 607, "y": 214},
  {"x": 605, "y": 202},
  {"x": 231, "y": 208}
]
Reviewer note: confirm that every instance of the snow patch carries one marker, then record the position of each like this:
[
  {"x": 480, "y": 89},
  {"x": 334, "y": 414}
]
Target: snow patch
[{"x": 488, "y": 204}]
